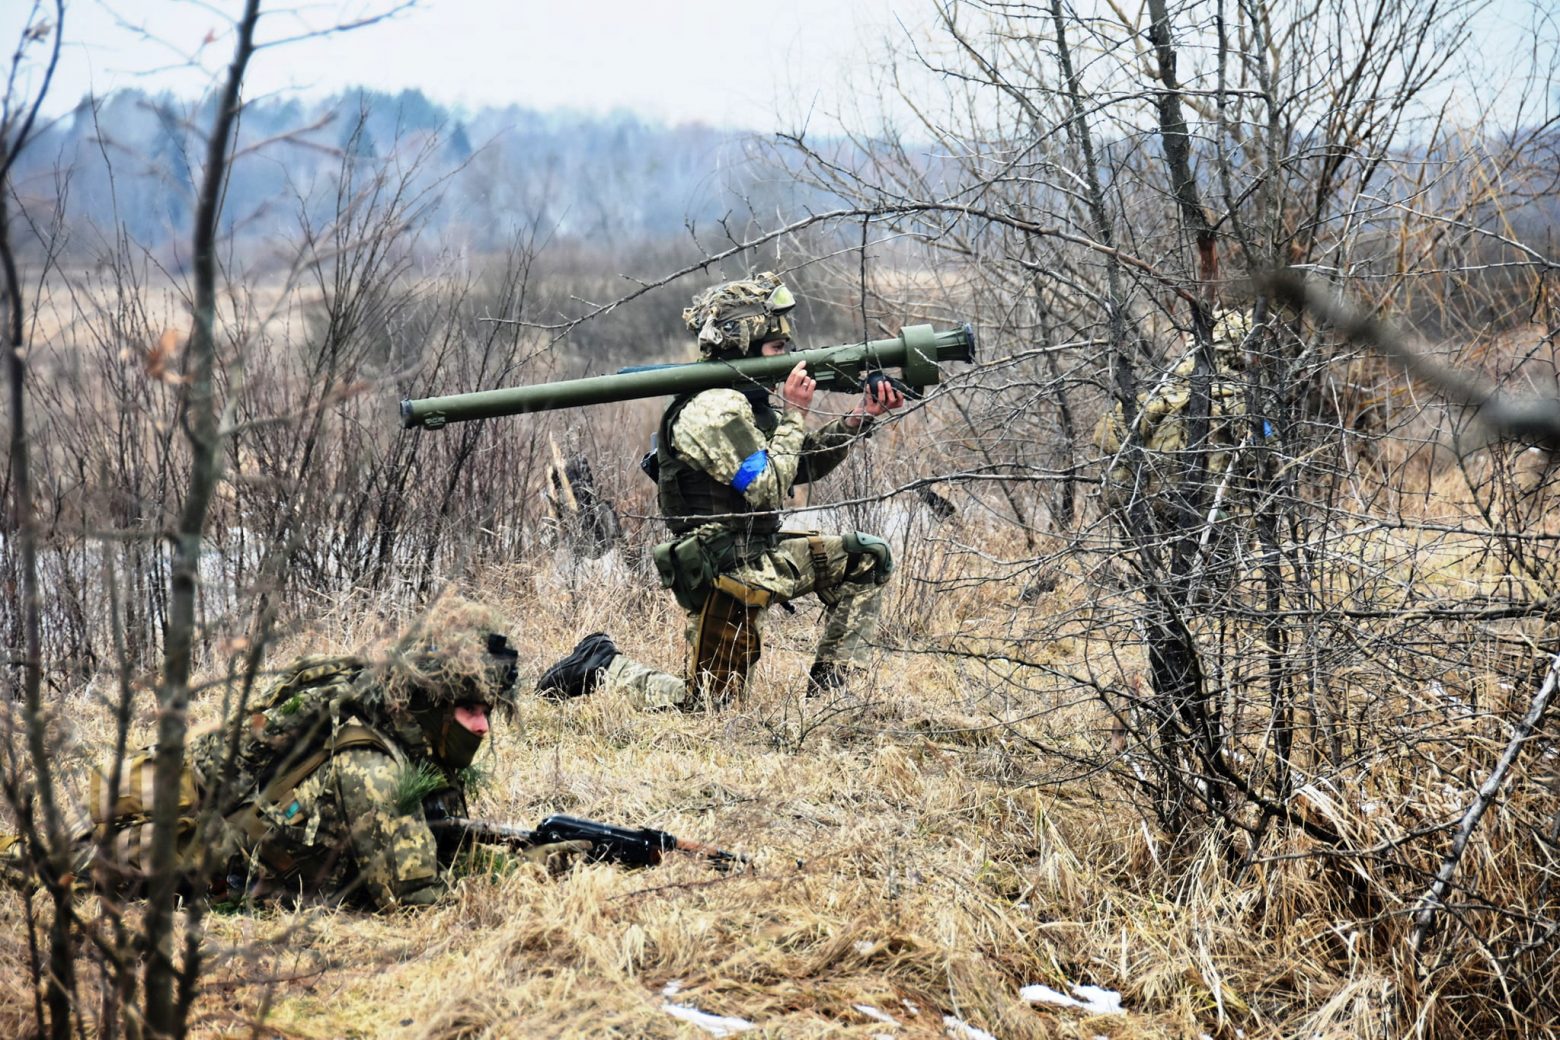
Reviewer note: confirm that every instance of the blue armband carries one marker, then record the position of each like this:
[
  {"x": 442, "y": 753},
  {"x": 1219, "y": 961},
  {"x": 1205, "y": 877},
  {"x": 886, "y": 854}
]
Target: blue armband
[{"x": 750, "y": 469}]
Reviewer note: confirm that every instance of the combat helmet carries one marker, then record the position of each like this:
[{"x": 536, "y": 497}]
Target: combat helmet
[
  {"x": 733, "y": 319},
  {"x": 456, "y": 654}
]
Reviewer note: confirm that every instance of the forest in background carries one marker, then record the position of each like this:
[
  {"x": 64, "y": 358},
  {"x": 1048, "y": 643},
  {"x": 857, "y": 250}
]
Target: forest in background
[{"x": 128, "y": 162}]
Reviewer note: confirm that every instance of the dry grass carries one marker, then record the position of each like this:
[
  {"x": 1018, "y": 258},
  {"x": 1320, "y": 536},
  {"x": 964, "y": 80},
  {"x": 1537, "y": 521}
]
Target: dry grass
[
  {"x": 911, "y": 856},
  {"x": 962, "y": 825}
]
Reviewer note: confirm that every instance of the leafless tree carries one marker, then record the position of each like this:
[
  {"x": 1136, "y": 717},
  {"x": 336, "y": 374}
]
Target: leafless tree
[
  {"x": 18, "y": 117},
  {"x": 1098, "y": 191}
]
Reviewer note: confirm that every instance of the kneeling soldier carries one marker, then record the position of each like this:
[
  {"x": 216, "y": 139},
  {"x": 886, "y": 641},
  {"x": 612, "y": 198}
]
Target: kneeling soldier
[{"x": 724, "y": 462}]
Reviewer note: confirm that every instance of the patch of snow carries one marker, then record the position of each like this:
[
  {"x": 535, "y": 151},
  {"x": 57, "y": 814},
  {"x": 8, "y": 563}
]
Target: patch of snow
[
  {"x": 862, "y": 947},
  {"x": 874, "y": 1013},
  {"x": 715, "y": 1025},
  {"x": 1098, "y": 1000},
  {"x": 957, "y": 1028},
  {"x": 1093, "y": 999},
  {"x": 910, "y": 1007},
  {"x": 1038, "y": 994},
  {"x": 671, "y": 989}
]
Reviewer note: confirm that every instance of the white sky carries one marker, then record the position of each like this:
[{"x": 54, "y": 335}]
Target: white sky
[
  {"x": 668, "y": 59},
  {"x": 753, "y": 66}
]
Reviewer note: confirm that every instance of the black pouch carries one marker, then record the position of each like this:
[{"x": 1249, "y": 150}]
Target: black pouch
[
  {"x": 689, "y": 565},
  {"x": 650, "y": 462}
]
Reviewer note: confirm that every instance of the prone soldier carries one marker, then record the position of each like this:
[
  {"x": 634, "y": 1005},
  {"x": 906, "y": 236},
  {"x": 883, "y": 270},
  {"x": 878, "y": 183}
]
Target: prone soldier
[{"x": 327, "y": 790}]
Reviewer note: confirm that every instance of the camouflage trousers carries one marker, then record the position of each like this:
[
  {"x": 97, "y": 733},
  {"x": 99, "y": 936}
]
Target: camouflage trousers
[{"x": 725, "y": 639}]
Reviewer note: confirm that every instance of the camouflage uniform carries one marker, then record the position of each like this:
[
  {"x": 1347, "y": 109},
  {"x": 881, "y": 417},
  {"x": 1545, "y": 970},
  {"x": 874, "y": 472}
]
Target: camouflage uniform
[
  {"x": 727, "y": 460},
  {"x": 1161, "y": 426},
  {"x": 352, "y": 827},
  {"x": 329, "y": 788}
]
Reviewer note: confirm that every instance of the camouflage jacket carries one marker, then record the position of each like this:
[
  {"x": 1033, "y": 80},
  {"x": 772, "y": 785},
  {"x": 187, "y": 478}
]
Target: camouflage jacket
[
  {"x": 718, "y": 432},
  {"x": 327, "y": 794},
  {"x": 1161, "y": 429}
]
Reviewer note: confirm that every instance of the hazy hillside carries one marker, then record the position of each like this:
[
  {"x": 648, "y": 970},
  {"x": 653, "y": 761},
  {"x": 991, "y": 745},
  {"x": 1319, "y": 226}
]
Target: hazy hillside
[{"x": 130, "y": 161}]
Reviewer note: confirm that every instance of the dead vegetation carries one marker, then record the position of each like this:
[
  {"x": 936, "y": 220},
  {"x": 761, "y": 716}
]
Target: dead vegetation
[{"x": 948, "y": 833}]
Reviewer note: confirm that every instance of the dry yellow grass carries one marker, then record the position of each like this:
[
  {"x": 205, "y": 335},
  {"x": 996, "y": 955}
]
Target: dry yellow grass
[
  {"x": 914, "y": 852},
  {"x": 906, "y": 862}
]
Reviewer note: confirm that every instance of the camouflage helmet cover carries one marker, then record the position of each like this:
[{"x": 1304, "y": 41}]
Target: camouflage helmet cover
[
  {"x": 456, "y": 653},
  {"x": 734, "y": 318}
]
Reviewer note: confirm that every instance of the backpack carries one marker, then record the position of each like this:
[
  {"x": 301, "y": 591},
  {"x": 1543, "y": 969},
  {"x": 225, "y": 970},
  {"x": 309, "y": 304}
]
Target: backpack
[{"x": 293, "y": 733}]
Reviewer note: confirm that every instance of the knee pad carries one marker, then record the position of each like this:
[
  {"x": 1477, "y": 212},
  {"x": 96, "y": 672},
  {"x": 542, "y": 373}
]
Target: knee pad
[{"x": 868, "y": 555}]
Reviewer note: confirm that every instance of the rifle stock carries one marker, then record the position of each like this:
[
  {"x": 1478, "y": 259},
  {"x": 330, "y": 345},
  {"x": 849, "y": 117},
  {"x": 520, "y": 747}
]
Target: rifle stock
[{"x": 918, "y": 352}]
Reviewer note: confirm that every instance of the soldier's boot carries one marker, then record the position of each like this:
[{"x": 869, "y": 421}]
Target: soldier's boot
[
  {"x": 826, "y": 678},
  {"x": 580, "y": 672}
]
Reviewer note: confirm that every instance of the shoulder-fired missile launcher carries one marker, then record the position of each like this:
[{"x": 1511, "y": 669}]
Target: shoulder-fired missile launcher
[{"x": 917, "y": 353}]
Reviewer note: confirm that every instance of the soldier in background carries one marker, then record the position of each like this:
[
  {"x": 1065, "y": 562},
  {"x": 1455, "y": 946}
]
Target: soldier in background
[
  {"x": 724, "y": 462},
  {"x": 326, "y": 790},
  {"x": 1161, "y": 427}
]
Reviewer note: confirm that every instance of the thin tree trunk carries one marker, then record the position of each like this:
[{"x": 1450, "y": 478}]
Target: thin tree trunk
[
  {"x": 59, "y": 986},
  {"x": 201, "y": 421}
]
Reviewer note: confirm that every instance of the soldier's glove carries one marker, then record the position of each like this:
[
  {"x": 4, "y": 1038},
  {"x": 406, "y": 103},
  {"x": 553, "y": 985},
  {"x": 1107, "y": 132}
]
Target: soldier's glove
[{"x": 557, "y": 856}]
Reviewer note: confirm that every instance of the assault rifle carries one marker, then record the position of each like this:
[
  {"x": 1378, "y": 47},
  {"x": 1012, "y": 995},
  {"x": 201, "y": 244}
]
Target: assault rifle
[
  {"x": 626, "y": 846},
  {"x": 918, "y": 352}
]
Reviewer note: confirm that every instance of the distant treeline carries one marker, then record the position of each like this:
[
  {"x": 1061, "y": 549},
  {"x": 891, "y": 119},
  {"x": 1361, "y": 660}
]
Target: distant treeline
[{"x": 126, "y": 165}]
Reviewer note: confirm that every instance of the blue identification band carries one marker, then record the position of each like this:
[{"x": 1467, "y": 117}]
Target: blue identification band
[{"x": 750, "y": 469}]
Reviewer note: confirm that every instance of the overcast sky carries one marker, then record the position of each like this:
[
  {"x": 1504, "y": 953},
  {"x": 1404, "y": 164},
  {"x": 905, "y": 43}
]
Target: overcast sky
[
  {"x": 728, "y": 63},
  {"x": 761, "y": 67}
]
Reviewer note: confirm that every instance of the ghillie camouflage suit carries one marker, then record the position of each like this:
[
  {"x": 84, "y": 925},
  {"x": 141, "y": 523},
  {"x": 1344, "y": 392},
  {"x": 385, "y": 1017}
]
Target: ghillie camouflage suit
[
  {"x": 326, "y": 788},
  {"x": 724, "y": 462},
  {"x": 1161, "y": 427}
]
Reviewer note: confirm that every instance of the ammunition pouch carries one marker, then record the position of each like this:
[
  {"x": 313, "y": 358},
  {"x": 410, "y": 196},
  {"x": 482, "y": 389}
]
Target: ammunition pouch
[
  {"x": 870, "y": 550},
  {"x": 689, "y": 565}
]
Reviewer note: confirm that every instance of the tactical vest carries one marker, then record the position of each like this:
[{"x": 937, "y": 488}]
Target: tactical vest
[
  {"x": 295, "y": 721},
  {"x": 687, "y": 494}
]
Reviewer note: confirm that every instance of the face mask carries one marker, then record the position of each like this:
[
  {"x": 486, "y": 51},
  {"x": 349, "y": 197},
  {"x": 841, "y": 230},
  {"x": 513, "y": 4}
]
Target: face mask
[
  {"x": 449, "y": 742},
  {"x": 460, "y": 744}
]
